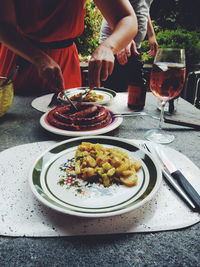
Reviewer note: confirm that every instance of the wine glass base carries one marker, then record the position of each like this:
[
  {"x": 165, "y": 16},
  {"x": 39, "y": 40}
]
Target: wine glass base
[{"x": 159, "y": 136}]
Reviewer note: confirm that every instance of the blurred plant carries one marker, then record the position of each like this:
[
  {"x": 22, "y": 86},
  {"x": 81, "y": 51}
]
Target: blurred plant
[
  {"x": 88, "y": 41},
  {"x": 169, "y": 25},
  {"x": 180, "y": 38},
  {"x": 174, "y": 14}
]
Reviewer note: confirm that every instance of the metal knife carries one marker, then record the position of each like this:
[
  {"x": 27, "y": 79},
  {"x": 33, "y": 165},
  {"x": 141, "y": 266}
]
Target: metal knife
[
  {"x": 182, "y": 181},
  {"x": 170, "y": 180}
]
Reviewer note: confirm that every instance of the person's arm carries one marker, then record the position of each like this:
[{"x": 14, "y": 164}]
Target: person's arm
[
  {"x": 9, "y": 35},
  {"x": 121, "y": 17},
  {"x": 152, "y": 38}
]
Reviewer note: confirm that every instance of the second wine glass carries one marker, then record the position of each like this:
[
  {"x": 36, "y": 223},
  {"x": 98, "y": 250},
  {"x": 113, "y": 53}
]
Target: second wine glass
[{"x": 166, "y": 82}]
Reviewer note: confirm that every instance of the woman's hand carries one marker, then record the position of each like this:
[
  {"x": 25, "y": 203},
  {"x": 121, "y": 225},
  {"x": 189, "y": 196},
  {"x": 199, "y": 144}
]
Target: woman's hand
[
  {"x": 51, "y": 74},
  {"x": 123, "y": 55},
  {"x": 101, "y": 65}
]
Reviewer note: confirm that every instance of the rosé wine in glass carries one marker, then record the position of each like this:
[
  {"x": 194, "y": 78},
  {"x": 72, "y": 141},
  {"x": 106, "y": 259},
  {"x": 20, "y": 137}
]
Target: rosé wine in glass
[{"x": 166, "y": 82}]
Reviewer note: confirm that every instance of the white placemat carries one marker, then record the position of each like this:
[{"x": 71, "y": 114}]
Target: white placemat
[{"x": 21, "y": 214}]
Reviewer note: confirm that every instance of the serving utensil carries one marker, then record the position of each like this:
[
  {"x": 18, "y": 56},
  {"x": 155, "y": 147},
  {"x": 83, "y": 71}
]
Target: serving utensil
[
  {"x": 82, "y": 96},
  {"x": 55, "y": 101},
  {"x": 10, "y": 76},
  {"x": 183, "y": 189}
]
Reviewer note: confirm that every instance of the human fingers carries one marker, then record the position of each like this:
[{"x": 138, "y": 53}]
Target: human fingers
[
  {"x": 152, "y": 51},
  {"x": 153, "y": 48},
  {"x": 128, "y": 51},
  {"x": 100, "y": 65},
  {"x": 106, "y": 70},
  {"x": 59, "y": 81},
  {"x": 94, "y": 70},
  {"x": 50, "y": 74},
  {"x": 122, "y": 58},
  {"x": 53, "y": 79},
  {"x": 134, "y": 49}
]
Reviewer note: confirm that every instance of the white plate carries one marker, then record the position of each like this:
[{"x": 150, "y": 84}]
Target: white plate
[
  {"x": 53, "y": 187},
  {"x": 46, "y": 125},
  {"x": 108, "y": 94},
  {"x": 41, "y": 103}
]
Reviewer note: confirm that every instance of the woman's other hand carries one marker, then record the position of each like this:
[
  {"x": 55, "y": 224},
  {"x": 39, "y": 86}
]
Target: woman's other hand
[{"x": 50, "y": 74}]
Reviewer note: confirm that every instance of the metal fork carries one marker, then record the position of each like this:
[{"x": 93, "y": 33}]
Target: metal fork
[
  {"x": 134, "y": 114},
  {"x": 83, "y": 95},
  {"x": 54, "y": 101}
]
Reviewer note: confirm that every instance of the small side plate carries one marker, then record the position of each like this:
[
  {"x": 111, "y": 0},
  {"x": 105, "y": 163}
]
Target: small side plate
[{"x": 108, "y": 94}]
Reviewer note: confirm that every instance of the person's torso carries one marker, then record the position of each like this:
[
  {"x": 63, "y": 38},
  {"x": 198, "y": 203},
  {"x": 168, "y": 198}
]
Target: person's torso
[{"x": 50, "y": 20}]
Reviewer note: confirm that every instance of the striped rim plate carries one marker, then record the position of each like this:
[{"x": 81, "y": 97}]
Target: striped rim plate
[{"x": 53, "y": 182}]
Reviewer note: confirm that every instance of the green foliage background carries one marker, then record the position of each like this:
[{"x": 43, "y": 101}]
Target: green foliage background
[
  {"x": 176, "y": 23},
  {"x": 180, "y": 38},
  {"x": 89, "y": 40}
]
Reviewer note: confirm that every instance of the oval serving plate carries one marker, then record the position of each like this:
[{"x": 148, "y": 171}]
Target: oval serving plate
[
  {"x": 108, "y": 94},
  {"x": 52, "y": 183},
  {"x": 116, "y": 122}
]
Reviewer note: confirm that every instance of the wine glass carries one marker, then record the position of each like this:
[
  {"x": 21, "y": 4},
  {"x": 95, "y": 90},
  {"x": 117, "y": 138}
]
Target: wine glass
[{"x": 166, "y": 82}]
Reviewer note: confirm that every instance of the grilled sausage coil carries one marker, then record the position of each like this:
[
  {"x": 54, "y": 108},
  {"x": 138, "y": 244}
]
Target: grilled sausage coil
[{"x": 89, "y": 117}]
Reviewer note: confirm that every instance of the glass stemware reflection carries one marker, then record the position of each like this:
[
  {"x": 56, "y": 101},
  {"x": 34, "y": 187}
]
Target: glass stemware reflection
[{"x": 166, "y": 82}]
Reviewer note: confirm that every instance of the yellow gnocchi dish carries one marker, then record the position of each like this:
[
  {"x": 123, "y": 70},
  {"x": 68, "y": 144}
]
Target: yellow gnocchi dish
[
  {"x": 90, "y": 96},
  {"x": 94, "y": 162}
]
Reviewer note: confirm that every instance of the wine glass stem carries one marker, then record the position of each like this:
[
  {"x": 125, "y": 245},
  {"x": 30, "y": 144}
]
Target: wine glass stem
[{"x": 161, "y": 115}]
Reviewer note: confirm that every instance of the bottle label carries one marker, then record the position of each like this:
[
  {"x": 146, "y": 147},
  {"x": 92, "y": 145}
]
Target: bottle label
[{"x": 136, "y": 97}]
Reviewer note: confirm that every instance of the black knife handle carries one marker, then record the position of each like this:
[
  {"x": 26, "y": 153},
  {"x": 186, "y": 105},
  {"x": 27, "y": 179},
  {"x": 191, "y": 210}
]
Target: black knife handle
[
  {"x": 187, "y": 187},
  {"x": 183, "y": 123}
]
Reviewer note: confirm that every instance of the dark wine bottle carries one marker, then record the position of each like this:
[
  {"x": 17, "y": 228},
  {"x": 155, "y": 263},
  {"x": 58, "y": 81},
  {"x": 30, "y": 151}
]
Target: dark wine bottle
[{"x": 136, "y": 97}]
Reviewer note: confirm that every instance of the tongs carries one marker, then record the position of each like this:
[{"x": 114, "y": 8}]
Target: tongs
[{"x": 55, "y": 101}]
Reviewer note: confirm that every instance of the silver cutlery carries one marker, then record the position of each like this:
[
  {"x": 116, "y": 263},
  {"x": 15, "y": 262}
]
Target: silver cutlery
[
  {"x": 177, "y": 181},
  {"x": 56, "y": 101},
  {"x": 166, "y": 120},
  {"x": 83, "y": 95},
  {"x": 169, "y": 167},
  {"x": 182, "y": 123},
  {"x": 134, "y": 114}
]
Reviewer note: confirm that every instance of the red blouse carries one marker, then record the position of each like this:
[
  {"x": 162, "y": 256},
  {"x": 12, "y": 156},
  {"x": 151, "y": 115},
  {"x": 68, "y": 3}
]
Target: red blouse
[{"x": 48, "y": 21}]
